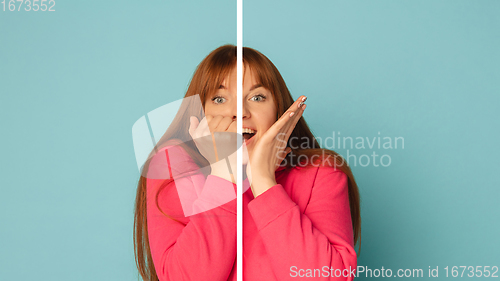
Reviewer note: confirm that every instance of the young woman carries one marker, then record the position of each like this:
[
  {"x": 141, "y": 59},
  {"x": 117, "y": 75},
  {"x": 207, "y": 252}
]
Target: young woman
[{"x": 301, "y": 203}]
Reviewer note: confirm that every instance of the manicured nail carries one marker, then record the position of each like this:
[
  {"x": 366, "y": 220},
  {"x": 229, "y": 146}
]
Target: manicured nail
[
  {"x": 302, "y": 102},
  {"x": 292, "y": 113}
]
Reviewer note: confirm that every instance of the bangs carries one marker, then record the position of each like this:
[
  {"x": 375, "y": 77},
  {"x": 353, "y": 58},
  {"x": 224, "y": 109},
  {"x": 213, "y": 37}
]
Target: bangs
[
  {"x": 219, "y": 70},
  {"x": 266, "y": 74},
  {"x": 260, "y": 75},
  {"x": 219, "y": 64}
]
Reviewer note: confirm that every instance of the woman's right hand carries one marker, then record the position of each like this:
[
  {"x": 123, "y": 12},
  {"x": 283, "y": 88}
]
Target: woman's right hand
[{"x": 216, "y": 139}]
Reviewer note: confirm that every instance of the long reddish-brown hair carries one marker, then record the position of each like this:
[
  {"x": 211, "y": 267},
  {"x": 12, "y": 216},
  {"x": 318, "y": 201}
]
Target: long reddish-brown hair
[{"x": 207, "y": 78}]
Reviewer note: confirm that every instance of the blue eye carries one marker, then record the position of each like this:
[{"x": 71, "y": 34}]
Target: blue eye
[
  {"x": 262, "y": 97},
  {"x": 218, "y": 99}
]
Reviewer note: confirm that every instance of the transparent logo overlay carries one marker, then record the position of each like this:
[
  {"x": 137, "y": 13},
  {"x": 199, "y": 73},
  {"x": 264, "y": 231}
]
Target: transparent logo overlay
[{"x": 168, "y": 143}]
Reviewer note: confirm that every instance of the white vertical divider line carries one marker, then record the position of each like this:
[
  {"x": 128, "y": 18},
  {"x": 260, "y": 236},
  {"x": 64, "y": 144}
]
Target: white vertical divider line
[{"x": 239, "y": 155}]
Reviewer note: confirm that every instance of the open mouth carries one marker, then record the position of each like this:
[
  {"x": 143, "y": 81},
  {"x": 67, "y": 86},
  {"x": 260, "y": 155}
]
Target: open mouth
[{"x": 248, "y": 134}]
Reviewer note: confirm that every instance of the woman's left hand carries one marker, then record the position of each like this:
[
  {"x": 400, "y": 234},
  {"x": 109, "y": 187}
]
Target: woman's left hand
[{"x": 270, "y": 150}]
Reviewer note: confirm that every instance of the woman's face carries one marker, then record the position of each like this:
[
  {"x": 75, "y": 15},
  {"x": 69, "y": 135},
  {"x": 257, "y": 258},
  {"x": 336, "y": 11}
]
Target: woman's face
[{"x": 259, "y": 109}]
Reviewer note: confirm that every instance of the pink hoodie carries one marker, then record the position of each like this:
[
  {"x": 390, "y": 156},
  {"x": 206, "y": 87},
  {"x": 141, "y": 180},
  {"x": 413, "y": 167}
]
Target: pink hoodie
[{"x": 300, "y": 227}]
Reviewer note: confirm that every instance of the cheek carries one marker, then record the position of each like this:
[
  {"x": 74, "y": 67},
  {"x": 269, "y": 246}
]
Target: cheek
[
  {"x": 208, "y": 109},
  {"x": 267, "y": 120},
  {"x": 271, "y": 116},
  {"x": 270, "y": 121}
]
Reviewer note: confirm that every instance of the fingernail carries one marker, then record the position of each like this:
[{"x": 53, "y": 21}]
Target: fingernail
[
  {"x": 302, "y": 102},
  {"x": 292, "y": 113}
]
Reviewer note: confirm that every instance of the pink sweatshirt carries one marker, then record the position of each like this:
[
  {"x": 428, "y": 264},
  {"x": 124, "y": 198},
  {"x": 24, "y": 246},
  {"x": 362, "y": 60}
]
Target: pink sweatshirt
[{"x": 300, "y": 227}]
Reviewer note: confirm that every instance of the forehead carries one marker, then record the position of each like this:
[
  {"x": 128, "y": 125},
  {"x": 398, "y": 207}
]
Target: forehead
[{"x": 249, "y": 76}]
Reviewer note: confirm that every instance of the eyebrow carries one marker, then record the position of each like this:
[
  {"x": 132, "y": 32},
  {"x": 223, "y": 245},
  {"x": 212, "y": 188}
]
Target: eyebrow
[
  {"x": 255, "y": 87},
  {"x": 251, "y": 89}
]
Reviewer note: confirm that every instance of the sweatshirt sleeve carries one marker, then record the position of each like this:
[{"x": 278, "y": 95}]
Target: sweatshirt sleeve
[
  {"x": 199, "y": 246},
  {"x": 320, "y": 239}
]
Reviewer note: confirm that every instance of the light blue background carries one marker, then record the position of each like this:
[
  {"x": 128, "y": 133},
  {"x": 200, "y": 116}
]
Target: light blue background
[
  {"x": 427, "y": 71},
  {"x": 72, "y": 84},
  {"x": 74, "y": 81}
]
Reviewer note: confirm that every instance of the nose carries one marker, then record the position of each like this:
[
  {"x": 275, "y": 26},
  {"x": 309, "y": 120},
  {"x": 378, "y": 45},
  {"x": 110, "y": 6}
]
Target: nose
[{"x": 246, "y": 113}]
